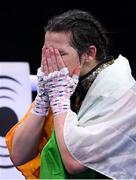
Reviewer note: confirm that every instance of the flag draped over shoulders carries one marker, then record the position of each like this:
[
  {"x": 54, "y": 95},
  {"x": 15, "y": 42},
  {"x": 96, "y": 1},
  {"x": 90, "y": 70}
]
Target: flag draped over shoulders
[
  {"x": 52, "y": 166},
  {"x": 104, "y": 129}
]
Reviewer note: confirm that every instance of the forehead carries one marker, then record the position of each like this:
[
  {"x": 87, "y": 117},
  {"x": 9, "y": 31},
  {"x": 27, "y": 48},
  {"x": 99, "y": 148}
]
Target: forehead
[{"x": 57, "y": 39}]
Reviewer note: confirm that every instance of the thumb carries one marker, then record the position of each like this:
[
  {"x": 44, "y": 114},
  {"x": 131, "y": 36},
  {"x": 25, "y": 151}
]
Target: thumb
[{"x": 76, "y": 73}]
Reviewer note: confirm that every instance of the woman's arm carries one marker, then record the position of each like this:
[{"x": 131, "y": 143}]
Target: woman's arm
[
  {"x": 71, "y": 165},
  {"x": 26, "y": 139},
  {"x": 27, "y": 135},
  {"x": 60, "y": 87}
]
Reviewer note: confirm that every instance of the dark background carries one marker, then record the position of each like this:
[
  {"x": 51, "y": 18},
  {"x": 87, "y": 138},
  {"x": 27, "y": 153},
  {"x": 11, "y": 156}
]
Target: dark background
[{"x": 22, "y": 34}]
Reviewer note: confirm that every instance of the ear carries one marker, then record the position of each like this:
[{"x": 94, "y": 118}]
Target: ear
[{"x": 91, "y": 54}]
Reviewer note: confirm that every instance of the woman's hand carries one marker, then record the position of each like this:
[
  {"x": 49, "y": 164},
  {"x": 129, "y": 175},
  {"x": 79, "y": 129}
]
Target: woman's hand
[
  {"x": 59, "y": 84},
  {"x": 60, "y": 87},
  {"x": 41, "y": 102}
]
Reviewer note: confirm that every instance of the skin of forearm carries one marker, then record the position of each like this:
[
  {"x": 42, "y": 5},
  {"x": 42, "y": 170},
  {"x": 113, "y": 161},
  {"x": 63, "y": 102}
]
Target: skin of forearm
[
  {"x": 26, "y": 139},
  {"x": 71, "y": 165}
]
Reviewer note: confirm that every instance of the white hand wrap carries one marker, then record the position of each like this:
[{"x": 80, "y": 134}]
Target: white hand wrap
[
  {"x": 41, "y": 102},
  {"x": 60, "y": 87}
]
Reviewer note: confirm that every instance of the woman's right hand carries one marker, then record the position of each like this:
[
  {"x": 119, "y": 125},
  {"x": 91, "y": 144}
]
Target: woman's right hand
[{"x": 41, "y": 102}]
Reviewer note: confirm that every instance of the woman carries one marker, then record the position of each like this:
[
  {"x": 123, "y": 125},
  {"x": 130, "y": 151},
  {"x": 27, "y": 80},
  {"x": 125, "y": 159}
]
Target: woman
[{"x": 86, "y": 99}]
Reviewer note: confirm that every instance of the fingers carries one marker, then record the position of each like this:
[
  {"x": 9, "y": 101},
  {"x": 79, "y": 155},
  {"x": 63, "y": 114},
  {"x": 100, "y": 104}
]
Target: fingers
[
  {"x": 43, "y": 57},
  {"x": 51, "y": 60},
  {"x": 59, "y": 59},
  {"x": 45, "y": 66},
  {"x": 54, "y": 60}
]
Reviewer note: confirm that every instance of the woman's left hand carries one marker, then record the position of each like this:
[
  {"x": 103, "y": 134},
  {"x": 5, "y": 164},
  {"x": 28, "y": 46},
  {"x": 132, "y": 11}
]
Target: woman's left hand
[{"x": 59, "y": 84}]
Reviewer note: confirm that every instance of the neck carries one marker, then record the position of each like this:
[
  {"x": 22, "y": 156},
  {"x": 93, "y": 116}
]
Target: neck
[
  {"x": 86, "y": 68},
  {"x": 89, "y": 77}
]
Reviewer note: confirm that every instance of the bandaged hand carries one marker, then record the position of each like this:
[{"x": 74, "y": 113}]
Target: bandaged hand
[
  {"x": 60, "y": 83},
  {"x": 41, "y": 102},
  {"x": 60, "y": 88}
]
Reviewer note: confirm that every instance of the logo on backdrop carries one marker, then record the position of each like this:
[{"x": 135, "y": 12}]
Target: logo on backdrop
[
  {"x": 15, "y": 99},
  {"x": 8, "y": 116}
]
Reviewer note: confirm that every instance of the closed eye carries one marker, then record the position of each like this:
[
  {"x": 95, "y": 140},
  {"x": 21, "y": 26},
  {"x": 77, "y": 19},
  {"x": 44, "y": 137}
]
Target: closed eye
[{"x": 62, "y": 53}]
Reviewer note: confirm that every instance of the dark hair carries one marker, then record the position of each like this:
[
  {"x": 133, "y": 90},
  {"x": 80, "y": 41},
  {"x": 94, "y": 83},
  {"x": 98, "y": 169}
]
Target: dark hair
[{"x": 85, "y": 31}]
